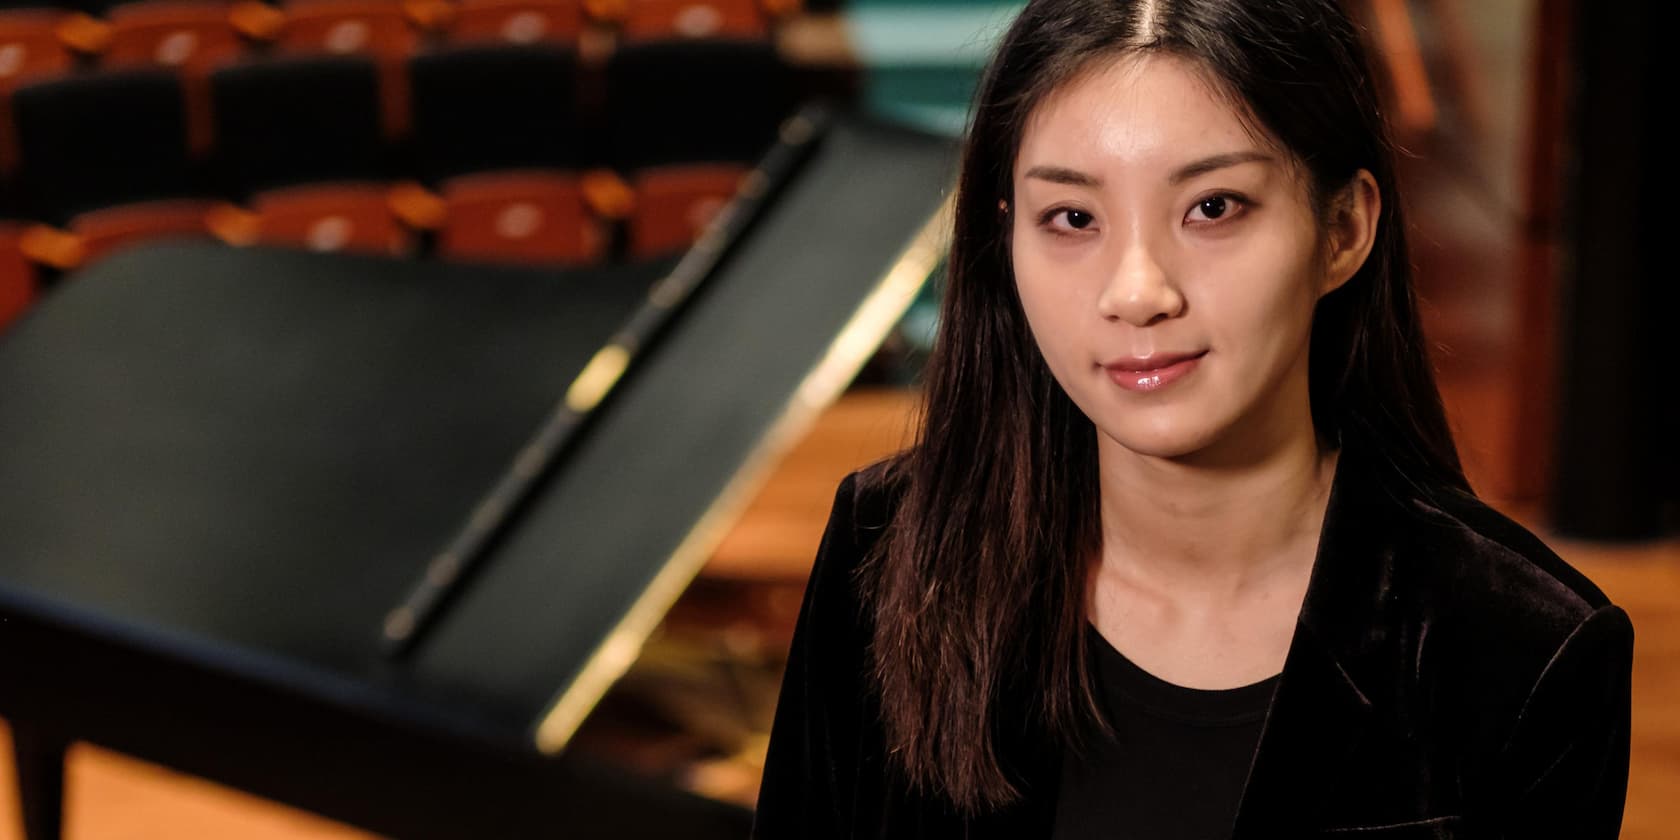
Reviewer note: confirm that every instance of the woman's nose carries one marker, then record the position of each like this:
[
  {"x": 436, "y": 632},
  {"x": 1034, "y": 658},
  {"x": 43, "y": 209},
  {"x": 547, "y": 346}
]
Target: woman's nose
[{"x": 1139, "y": 291}]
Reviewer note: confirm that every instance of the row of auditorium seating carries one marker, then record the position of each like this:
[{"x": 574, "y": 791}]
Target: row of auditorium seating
[
  {"x": 531, "y": 217},
  {"x": 553, "y": 218},
  {"x": 92, "y": 140},
  {"x": 38, "y": 40},
  {"x": 613, "y": 13},
  {"x": 507, "y": 152},
  {"x": 33, "y": 44},
  {"x": 197, "y": 36}
]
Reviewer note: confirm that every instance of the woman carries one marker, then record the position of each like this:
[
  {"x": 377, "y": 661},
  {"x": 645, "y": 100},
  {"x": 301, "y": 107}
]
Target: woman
[{"x": 1185, "y": 549}]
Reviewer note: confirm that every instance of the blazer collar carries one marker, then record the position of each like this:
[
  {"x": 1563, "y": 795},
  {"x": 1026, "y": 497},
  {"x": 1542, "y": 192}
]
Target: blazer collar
[{"x": 1320, "y": 712}]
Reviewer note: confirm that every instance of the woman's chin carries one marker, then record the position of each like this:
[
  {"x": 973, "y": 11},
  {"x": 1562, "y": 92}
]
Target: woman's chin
[{"x": 1176, "y": 441}]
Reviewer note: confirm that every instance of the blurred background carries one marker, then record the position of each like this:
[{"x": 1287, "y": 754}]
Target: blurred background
[{"x": 568, "y": 138}]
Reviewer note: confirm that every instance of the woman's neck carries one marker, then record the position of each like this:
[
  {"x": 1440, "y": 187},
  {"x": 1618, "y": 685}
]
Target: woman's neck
[{"x": 1213, "y": 528}]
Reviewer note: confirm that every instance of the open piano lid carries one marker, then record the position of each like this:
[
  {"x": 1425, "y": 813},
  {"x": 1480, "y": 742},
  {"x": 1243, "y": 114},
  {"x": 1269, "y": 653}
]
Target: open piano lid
[{"x": 781, "y": 326}]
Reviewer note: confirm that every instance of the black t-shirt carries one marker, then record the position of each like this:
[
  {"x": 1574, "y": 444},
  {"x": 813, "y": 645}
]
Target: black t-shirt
[{"x": 1176, "y": 765}]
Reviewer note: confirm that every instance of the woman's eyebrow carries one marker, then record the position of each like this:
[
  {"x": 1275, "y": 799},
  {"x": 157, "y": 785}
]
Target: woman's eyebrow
[
  {"x": 1063, "y": 175},
  {"x": 1210, "y": 164},
  {"x": 1073, "y": 177}
]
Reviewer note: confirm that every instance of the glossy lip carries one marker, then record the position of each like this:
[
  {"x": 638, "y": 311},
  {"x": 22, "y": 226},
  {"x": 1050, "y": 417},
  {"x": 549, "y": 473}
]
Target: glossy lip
[{"x": 1153, "y": 372}]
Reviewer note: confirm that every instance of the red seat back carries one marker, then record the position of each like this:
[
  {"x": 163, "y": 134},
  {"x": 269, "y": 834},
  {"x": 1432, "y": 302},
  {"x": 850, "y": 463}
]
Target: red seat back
[
  {"x": 524, "y": 217},
  {"x": 330, "y": 217},
  {"x": 171, "y": 33},
  {"x": 376, "y": 28},
  {"x": 675, "y": 203},
  {"x": 659, "y": 19},
  {"x": 29, "y": 46},
  {"x": 29, "y": 49},
  {"x": 517, "y": 21},
  {"x": 110, "y": 228}
]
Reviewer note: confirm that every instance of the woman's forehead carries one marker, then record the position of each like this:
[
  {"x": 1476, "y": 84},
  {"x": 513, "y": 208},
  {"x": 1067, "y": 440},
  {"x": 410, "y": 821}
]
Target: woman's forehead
[{"x": 1137, "y": 112}]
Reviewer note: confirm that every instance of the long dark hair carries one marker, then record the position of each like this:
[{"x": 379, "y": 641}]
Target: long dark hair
[{"x": 977, "y": 587}]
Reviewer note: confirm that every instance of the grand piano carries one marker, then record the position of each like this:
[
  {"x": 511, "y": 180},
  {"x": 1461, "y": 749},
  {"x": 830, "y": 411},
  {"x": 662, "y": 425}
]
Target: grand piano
[{"x": 373, "y": 538}]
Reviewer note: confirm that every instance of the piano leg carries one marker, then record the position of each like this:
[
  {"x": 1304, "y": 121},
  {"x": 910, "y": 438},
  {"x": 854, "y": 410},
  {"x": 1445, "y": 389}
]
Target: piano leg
[{"x": 39, "y": 757}]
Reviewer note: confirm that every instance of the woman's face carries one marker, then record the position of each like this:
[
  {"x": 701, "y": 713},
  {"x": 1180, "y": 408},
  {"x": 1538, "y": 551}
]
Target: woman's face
[{"x": 1168, "y": 262}]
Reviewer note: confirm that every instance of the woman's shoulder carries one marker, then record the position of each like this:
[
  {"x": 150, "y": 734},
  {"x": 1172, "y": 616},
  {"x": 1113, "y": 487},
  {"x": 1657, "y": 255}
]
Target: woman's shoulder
[
  {"x": 1522, "y": 658},
  {"x": 864, "y": 505},
  {"x": 1492, "y": 554},
  {"x": 866, "y": 502},
  {"x": 1504, "y": 590}
]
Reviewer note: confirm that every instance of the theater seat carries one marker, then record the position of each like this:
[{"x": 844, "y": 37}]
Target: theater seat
[
  {"x": 675, "y": 203},
  {"x": 190, "y": 35},
  {"x": 521, "y": 217},
  {"x": 303, "y": 120},
  {"x": 17, "y": 277},
  {"x": 517, "y": 21},
  {"x": 29, "y": 45},
  {"x": 29, "y": 49},
  {"x": 93, "y": 235},
  {"x": 659, "y": 19},
  {"x": 375, "y": 28},
  {"x": 109, "y": 229},
  {"x": 707, "y": 101},
  {"x": 346, "y": 27},
  {"x": 330, "y": 217},
  {"x": 170, "y": 33},
  {"x": 95, "y": 140},
  {"x": 496, "y": 108}
]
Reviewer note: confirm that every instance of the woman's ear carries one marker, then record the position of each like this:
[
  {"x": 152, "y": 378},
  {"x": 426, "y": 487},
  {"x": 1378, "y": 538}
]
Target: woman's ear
[{"x": 1351, "y": 229}]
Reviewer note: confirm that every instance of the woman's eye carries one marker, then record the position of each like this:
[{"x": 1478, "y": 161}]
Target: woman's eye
[
  {"x": 1067, "y": 219},
  {"x": 1214, "y": 207}
]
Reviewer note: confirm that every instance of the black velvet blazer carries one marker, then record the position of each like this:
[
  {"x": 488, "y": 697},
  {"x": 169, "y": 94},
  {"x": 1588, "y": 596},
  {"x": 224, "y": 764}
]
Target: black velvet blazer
[{"x": 1449, "y": 677}]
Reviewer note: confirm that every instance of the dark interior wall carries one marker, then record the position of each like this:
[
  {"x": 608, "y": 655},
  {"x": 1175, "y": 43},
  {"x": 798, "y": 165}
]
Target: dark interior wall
[{"x": 1617, "y": 457}]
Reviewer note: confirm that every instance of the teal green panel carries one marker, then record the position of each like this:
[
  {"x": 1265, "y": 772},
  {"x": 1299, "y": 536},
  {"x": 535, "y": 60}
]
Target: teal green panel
[{"x": 922, "y": 61}]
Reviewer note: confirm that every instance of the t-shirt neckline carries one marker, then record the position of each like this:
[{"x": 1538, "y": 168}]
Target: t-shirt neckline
[{"x": 1199, "y": 706}]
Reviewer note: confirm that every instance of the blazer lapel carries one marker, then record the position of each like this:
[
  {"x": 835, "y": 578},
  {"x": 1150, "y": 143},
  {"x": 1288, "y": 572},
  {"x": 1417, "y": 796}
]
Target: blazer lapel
[
  {"x": 1319, "y": 714},
  {"x": 1317, "y": 718}
]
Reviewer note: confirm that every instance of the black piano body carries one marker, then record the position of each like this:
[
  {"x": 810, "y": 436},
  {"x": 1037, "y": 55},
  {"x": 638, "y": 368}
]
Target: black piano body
[{"x": 223, "y": 471}]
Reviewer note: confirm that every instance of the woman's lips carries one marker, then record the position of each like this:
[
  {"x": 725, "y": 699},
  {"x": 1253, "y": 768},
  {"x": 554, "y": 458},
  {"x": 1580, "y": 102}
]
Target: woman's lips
[{"x": 1152, "y": 373}]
